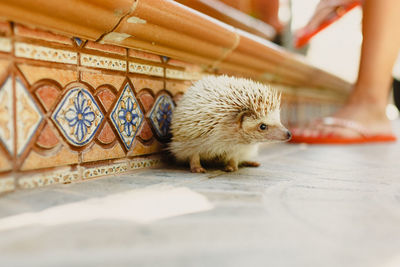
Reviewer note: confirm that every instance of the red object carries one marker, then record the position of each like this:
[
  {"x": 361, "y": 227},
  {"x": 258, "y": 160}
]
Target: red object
[
  {"x": 333, "y": 139},
  {"x": 303, "y": 36},
  {"x": 338, "y": 140}
]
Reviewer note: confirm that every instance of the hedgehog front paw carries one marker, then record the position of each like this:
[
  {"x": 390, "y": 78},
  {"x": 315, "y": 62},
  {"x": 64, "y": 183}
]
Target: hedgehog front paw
[
  {"x": 250, "y": 164},
  {"x": 197, "y": 169},
  {"x": 230, "y": 168}
]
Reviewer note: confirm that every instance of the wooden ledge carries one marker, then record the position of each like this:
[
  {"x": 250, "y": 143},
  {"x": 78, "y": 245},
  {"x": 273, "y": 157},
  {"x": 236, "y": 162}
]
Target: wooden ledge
[{"x": 168, "y": 28}]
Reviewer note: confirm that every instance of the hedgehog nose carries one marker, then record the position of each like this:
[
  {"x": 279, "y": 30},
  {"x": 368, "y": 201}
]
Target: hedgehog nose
[{"x": 288, "y": 135}]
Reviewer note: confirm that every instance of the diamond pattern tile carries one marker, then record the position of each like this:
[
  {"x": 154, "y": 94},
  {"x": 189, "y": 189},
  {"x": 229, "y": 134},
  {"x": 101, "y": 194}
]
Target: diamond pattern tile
[
  {"x": 6, "y": 116},
  {"x": 161, "y": 115},
  {"x": 78, "y": 116},
  {"x": 127, "y": 116},
  {"x": 28, "y": 116}
]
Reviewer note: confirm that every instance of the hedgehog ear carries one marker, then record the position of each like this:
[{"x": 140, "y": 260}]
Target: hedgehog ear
[{"x": 241, "y": 116}]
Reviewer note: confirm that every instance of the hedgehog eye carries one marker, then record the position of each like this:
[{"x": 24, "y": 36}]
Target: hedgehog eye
[{"x": 263, "y": 127}]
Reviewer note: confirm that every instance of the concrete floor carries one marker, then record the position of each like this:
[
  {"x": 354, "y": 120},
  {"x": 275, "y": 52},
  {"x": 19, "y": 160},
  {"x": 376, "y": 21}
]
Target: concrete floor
[{"x": 305, "y": 206}]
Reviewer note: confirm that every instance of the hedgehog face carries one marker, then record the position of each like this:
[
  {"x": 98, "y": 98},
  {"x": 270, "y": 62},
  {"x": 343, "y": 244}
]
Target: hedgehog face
[{"x": 263, "y": 129}]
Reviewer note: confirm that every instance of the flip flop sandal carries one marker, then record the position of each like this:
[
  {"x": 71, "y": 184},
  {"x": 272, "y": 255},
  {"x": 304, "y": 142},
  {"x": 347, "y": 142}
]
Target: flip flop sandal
[
  {"x": 364, "y": 135},
  {"x": 303, "y": 36}
]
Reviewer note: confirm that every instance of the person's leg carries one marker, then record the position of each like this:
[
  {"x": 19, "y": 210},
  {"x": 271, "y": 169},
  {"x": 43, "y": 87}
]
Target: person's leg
[
  {"x": 381, "y": 42},
  {"x": 267, "y": 11}
]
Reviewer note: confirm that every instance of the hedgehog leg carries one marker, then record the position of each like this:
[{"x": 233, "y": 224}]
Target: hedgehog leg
[
  {"x": 232, "y": 165},
  {"x": 195, "y": 165},
  {"x": 250, "y": 164}
]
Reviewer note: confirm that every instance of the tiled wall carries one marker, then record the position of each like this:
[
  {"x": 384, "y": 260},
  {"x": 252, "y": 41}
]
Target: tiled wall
[{"x": 72, "y": 109}]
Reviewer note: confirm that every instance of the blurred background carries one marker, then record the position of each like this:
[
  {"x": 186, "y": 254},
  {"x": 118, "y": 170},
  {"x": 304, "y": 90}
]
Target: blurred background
[{"x": 335, "y": 49}]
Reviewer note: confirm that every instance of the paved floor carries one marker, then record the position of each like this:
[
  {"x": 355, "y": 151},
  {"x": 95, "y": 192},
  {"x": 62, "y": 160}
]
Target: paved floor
[{"x": 305, "y": 206}]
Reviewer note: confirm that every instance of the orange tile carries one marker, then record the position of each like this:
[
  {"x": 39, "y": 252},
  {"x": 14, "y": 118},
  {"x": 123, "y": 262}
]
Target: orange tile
[
  {"x": 3, "y": 67},
  {"x": 177, "y": 97},
  {"x": 37, "y": 161},
  {"x": 149, "y": 83},
  {"x": 5, "y": 164},
  {"x": 95, "y": 79},
  {"x": 106, "y": 98},
  {"x": 146, "y": 99},
  {"x": 96, "y": 153},
  {"x": 175, "y": 87},
  {"x": 47, "y": 95},
  {"x": 34, "y": 74},
  {"x": 187, "y": 66},
  {"x": 5, "y": 28},
  {"x": 144, "y": 55},
  {"x": 47, "y": 138},
  {"x": 21, "y": 30},
  {"x": 106, "y": 48},
  {"x": 106, "y": 135},
  {"x": 140, "y": 149},
  {"x": 146, "y": 133}
]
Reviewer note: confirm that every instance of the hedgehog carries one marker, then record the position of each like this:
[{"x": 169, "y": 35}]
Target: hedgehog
[{"x": 224, "y": 119}]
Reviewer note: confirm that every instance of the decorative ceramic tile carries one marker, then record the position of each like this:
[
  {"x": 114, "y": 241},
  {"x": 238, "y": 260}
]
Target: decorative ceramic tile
[
  {"x": 146, "y": 133},
  {"x": 96, "y": 153},
  {"x": 5, "y": 44},
  {"x": 78, "y": 116},
  {"x": 47, "y": 95},
  {"x": 106, "y": 98},
  {"x": 99, "y": 79},
  {"x": 40, "y": 34},
  {"x": 28, "y": 116},
  {"x": 143, "y": 163},
  {"x": 45, "y": 53},
  {"x": 78, "y": 41},
  {"x": 5, "y": 164},
  {"x": 103, "y": 62},
  {"x": 35, "y": 73},
  {"x": 146, "y": 99},
  {"x": 140, "y": 149},
  {"x": 127, "y": 116},
  {"x": 143, "y": 55},
  {"x": 161, "y": 115},
  {"x": 106, "y": 48},
  {"x": 48, "y": 178},
  {"x": 47, "y": 138},
  {"x": 165, "y": 59},
  {"x": 182, "y": 75},
  {"x": 6, "y": 116},
  {"x": 155, "y": 84},
  {"x": 176, "y": 87},
  {"x": 7, "y": 184},
  {"x": 5, "y": 28},
  {"x": 105, "y": 170},
  {"x": 60, "y": 157},
  {"x": 146, "y": 69},
  {"x": 106, "y": 135}
]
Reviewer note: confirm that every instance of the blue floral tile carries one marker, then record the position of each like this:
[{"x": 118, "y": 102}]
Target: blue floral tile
[
  {"x": 161, "y": 115},
  {"x": 78, "y": 116},
  {"x": 127, "y": 116}
]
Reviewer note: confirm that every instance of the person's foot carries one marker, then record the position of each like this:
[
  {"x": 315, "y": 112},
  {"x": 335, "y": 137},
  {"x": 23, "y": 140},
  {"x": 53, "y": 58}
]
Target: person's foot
[{"x": 366, "y": 119}]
